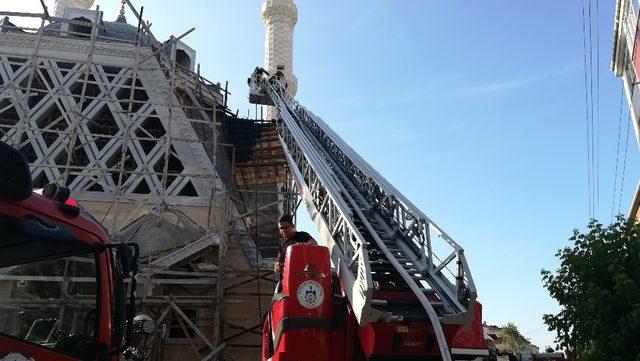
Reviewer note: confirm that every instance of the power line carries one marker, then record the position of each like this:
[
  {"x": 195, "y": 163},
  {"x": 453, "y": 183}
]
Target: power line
[
  {"x": 532, "y": 331},
  {"x": 615, "y": 176},
  {"x": 591, "y": 114},
  {"x": 586, "y": 103},
  {"x": 592, "y": 101},
  {"x": 597, "y": 130},
  {"x": 591, "y": 145},
  {"x": 624, "y": 163}
]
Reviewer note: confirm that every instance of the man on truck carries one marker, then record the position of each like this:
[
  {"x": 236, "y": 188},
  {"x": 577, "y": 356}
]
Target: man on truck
[{"x": 289, "y": 237}]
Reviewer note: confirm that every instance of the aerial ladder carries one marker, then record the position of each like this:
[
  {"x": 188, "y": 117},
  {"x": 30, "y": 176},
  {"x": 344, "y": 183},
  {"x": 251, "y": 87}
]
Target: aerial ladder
[{"x": 395, "y": 267}]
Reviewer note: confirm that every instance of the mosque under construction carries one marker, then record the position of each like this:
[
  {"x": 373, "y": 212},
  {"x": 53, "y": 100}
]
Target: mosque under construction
[{"x": 150, "y": 150}]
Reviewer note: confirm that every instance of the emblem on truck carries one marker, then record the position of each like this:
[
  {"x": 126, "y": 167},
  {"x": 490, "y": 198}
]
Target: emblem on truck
[{"x": 310, "y": 294}]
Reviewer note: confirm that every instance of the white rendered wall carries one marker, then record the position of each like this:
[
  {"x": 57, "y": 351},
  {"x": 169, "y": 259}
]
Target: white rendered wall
[
  {"x": 60, "y": 5},
  {"x": 279, "y": 18}
]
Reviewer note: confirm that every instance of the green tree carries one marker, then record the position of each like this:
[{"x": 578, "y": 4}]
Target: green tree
[
  {"x": 513, "y": 340},
  {"x": 598, "y": 288}
]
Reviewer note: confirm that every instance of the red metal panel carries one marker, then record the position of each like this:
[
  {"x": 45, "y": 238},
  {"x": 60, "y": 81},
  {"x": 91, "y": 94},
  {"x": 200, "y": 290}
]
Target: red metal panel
[
  {"x": 473, "y": 337},
  {"x": 397, "y": 339},
  {"x": 308, "y": 265},
  {"x": 412, "y": 339},
  {"x": 307, "y": 283}
]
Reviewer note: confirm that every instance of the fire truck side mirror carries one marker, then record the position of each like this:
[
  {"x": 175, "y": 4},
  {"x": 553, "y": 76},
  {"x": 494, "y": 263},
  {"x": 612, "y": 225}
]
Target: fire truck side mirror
[
  {"x": 126, "y": 257},
  {"x": 126, "y": 254}
]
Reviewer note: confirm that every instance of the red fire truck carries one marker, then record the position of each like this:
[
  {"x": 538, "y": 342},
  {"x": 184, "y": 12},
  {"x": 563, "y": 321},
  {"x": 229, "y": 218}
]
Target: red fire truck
[
  {"x": 63, "y": 286},
  {"x": 311, "y": 320}
]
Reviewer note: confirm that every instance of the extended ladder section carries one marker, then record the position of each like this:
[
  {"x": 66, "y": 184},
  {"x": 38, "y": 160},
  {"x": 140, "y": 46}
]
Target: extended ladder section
[{"x": 394, "y": 263}]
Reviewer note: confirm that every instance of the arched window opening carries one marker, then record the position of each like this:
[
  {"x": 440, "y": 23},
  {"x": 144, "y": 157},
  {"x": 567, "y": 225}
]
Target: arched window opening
[{"x": 183, "y": 59}]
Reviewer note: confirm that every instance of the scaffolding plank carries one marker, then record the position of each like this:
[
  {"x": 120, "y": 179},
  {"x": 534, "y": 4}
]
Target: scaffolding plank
[{"x": 190, "y": 250}]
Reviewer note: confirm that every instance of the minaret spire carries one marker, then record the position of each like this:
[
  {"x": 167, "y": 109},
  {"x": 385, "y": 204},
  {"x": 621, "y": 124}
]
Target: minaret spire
[
  {"x": 121, "y": 17},
  {"x": 279, "y": 18}
]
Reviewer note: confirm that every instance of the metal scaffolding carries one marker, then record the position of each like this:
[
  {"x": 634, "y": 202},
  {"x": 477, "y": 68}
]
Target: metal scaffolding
[{"x": 107, "y": 110}]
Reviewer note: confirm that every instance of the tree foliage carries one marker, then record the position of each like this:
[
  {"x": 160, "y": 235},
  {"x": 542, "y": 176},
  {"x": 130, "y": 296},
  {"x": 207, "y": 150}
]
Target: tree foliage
[
  {"x": 514, "y": 342},
  {"x": 598, "y": 288}
]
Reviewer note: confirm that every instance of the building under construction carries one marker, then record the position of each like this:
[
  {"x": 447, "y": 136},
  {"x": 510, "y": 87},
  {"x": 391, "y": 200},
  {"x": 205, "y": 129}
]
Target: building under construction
[{"x": 150, "y": 150}]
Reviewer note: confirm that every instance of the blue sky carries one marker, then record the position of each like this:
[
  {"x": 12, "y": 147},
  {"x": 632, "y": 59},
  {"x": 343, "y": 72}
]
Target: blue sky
[{"x": 474, "y": 110}]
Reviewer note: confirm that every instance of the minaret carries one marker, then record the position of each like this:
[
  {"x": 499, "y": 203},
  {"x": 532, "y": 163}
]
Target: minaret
[
  {"x": 60, "y": 5},
  {"x": 279, "y": 18}
]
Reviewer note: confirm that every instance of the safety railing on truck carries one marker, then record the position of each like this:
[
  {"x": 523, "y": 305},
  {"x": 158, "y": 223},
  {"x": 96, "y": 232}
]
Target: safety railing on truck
[
  {"x": 432, "y": 255},
  {"x": 329, "y": 210}
]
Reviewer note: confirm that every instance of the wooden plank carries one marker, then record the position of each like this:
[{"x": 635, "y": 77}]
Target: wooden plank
[
  {"x": 215, "y": 351},
  {"x": 47, "y": 279},
  {"x": 190, "y": 250},
  {"x": 191, "y": 324},
  {"x": 153, "y": 271},
  {"x": 186, "y": 335},
  {"x": 180, "y": 281}
]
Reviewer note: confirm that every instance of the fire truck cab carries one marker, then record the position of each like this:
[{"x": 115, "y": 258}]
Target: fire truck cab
[{"x": 63, "y": 286}]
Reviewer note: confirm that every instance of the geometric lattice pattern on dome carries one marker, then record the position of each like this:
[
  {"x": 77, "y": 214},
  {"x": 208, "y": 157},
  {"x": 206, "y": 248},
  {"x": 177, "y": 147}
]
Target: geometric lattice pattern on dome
[
  {"x": 116, "y": 133},
  {"x": 129, "y": 124}
]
